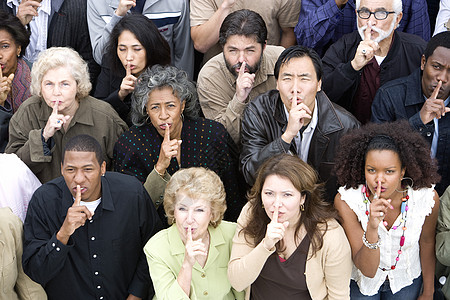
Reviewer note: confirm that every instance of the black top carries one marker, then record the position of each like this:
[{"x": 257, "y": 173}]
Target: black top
[
  {"x": 283, "y": 280},
  {"x": 103, "y": 258},
  {"x": 206, "y": 143}
]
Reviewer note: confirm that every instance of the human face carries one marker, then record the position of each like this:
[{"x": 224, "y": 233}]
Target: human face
[
  {"x": 58, "y": 85},
  {"x": 82, "y": 168},
  {"x": 298, "y": 75},
  {"x": 279, "y": 191},
  {"x": 9, "y": 51},
  {"x": 381, "y": 29},
  {"x": 163, "y": 107},
  {"x": 238, "y": 49},
  {"x": 130, "y": 51},
  {"x": 193, "y": 212},
  {"x": 435, "y": 69},
  {"x": 384, "y": 166}
]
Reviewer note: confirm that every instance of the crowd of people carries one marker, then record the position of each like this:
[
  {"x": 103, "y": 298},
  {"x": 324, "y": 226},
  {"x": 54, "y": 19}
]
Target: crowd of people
[{"x": 224, "y": 149}]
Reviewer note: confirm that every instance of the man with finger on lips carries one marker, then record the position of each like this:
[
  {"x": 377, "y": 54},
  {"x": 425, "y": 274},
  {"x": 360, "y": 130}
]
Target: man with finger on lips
[
  {"x": 362, "y": 61},
  {"x": 228, "y": 81},
  {"x": 296, "y": 118},
  {"x": 423, "y": 99},
  {"x": 85, "y": 231}
]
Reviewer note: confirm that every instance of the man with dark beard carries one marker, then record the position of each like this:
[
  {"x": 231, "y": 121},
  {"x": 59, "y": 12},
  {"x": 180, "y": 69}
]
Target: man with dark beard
[
  {"x": 228, "y": 81},
  {"x": 362, "y": 61}
]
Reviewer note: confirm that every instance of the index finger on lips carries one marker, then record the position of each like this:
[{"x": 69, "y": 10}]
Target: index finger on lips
[
  {"x": 436, "y": 90},
  {"x": 77, "y": 196},
  {"x": 367, "y": 34},
  {"x": 242, "y": 69},
  {"x": 378, "y": 192},
  {"x": 167, "y": 133},
  {"x": 128, "y": 69},
  {"x": 55, "y": 108},
  {"x": 275, "y": 213},
  {"x": 189, "y": 233},
  {"x": 294, "y": 99}
]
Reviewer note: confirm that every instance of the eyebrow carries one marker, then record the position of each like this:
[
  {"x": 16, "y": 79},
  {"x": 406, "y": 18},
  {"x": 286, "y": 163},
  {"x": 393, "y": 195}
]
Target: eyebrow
[{"x": 299, "y": 75}]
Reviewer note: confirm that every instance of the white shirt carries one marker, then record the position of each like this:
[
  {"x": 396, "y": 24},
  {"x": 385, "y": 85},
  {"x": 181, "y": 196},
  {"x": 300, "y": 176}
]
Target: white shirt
[
  {"x": 91, "y": 205},
  {"x": 408, "y": 268},
  {"x": 443, "y": 17},
  {"x": 304, "y": 142},
  {"x": 17, "y": 184},
  {"x": 39, "y": 29}
]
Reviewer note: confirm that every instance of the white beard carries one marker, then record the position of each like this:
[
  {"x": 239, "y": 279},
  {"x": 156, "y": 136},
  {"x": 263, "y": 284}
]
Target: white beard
[{"x": 381, "y": 33}]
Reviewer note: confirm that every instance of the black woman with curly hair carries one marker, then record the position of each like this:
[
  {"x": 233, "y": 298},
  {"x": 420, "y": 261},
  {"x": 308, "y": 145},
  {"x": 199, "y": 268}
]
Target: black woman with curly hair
[{"x": 389, "y": 209}]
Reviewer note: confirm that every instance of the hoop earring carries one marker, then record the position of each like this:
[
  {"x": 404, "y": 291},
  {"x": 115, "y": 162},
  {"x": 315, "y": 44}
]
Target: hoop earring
[
  {"x": 302, "y": 207},
  {"x": 410, "y": 185},
  {"x": 182, "y": 117},
  {"x": 148, "y": 121}
]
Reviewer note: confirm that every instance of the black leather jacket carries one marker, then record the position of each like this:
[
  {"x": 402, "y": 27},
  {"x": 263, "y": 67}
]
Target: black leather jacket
[{"x": 265, "y": 121}]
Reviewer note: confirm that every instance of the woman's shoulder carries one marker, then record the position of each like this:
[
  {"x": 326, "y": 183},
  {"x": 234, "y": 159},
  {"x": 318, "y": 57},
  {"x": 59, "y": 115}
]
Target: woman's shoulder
[
  {"x": 158, "y": 241},
  {"x": 30, "y": 107},
  {"x": 208, "y": 126},
  {"x": 334, "y": 235},
  {"x": 227, "y": 228}
]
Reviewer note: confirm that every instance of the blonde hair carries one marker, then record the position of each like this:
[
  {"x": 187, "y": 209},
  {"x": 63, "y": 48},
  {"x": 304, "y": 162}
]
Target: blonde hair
[
  {"x": 57, "y": 57},
  {"x": 197, "y": 183}
]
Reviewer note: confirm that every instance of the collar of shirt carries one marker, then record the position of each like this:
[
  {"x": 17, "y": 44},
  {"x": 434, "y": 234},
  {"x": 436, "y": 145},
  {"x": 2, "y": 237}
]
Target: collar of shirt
[{"x": 12, "y": 3}]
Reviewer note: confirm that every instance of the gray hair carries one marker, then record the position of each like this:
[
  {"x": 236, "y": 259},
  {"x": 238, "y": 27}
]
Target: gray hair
[
  {"x": 57, "y": 57},
  {"x": 396, "y": 5},
  {"x": 158, "y": 77}
]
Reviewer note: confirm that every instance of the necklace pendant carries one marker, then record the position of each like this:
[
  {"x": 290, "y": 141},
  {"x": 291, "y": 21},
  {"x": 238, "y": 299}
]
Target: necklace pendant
[{"x": 403, "y": 207}]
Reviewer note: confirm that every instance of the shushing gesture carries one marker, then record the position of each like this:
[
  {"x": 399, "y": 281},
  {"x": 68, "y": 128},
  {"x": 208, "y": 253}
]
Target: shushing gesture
[
  {"x": 194, "y": 250},
  {"x": 128, "y": 83},
  {"x": 169, "y": 149},
  {"x": 54, "y": 122},
  {"x": 5, "y": 86},
  {"x": 297, "y": 115},
  {"x": 244, "y": 84},
  {"x": 433, "y": 107},
  {"x": 76, "y": 216},
  {"x": 275, "y": 231},
  {"x": 124, "y": 7},
  {"x": 378, "y": 208},
  {"x": 365, "y": 51}
]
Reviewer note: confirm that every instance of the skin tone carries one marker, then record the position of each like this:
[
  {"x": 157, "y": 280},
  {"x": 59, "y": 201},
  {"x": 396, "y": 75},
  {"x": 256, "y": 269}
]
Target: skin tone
[
  {"x": 124, "y": 6},
  {"x": 134, "y": 59},
  {"x": 164, "y": 110},
  {"x": 243, "y": 55},
  {"x": 192, "y": 218},
  {"x": 435, "y": 84},
  {"x": 27, "y": 10},
  {"x": 9, "y": 52},
  {"x": 298, "y": 86},
  {"x": 59, "y": 90},
  {"x": 282, "y": 202},
  {"x": 82, "y": 174},
  {"x": 383, "y": 172},
  {"x": 368, "y": 47},
  {"x": 341, "y": 3}
]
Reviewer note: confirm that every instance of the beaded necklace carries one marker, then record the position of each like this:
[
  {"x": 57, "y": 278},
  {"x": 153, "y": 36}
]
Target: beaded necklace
[{"x": 402, "y": 222}]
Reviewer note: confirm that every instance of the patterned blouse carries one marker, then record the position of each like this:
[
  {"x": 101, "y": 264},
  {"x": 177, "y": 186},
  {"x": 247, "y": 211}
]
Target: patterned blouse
[{"x": 206, "y": 143}]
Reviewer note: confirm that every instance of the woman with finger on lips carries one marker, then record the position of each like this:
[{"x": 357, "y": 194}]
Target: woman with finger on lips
[
  {"x": 389, "y": 209},
  {"x": 189, "y": 259},
  {"x": 168, "y": 135},
  {"x": 134, "y": 45},
  {"x": 60, "y": 109},
  {"x": 288, "y": 244},
  {"x": 15, "y": 74}
]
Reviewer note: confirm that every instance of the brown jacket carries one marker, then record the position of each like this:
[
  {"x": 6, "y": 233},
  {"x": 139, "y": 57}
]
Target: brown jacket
[{"x": 93, "y": 117}]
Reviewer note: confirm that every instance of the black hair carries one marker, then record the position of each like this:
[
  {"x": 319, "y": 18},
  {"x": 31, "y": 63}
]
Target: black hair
[
  {"x": 84, "y": 143},
  {"x": 156, "y": 47},
  {"x": 14, "y": 27},
  {"x": 439, "y": 40},
  {"x": 243, "y": 22},
  {"x": 297, "y": 52}
]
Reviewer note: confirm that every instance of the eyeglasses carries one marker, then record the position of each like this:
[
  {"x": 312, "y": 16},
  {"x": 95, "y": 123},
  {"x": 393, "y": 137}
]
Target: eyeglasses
[{"x": 379, "y": 14}]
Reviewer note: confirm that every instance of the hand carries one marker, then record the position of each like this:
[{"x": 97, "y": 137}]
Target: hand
[
  {"x": 433, "y": 107},
  {"x": 194, "y": 250},
  {"x": 124, "y": 7},
  {"x": 365, "y": 51},
  {"x": 76, "y": 217},
  {"x": 5, "y": 86},
  {"x": 297, "y": 115},
  {"x": 27, "y": 10},
  {"x": 127, "y": 85},
  {"x": 378, "y": 208},
  {"x": 228, "y": 4},
  {"x": 169, "y": 149},
  {"x": 133, "y": 297},
  {"x": 54, "y": 122},
  {"x": 275, "y": 231},
  {"x": 244, "y": 84}
]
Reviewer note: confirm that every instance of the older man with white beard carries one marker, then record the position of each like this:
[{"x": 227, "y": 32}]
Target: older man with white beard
[{"x": 360, "y": 62}]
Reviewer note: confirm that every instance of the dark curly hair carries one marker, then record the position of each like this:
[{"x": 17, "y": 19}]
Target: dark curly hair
[
  {"x": 411, "y": 147},
  {"x": 305, "y": 179}
]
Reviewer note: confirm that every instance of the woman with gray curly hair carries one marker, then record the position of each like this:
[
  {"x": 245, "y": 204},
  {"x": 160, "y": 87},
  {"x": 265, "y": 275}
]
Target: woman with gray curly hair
[
  {"x": 59, "y": 109},
  {"x": 168, "y": 135},
  {"x": 194, "y": 252}
]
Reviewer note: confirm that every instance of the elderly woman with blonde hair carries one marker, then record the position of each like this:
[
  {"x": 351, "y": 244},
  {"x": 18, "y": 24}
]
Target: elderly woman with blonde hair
[
  {"x": 189, "y": 259},
  {"x": 59, "y": 109}
]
